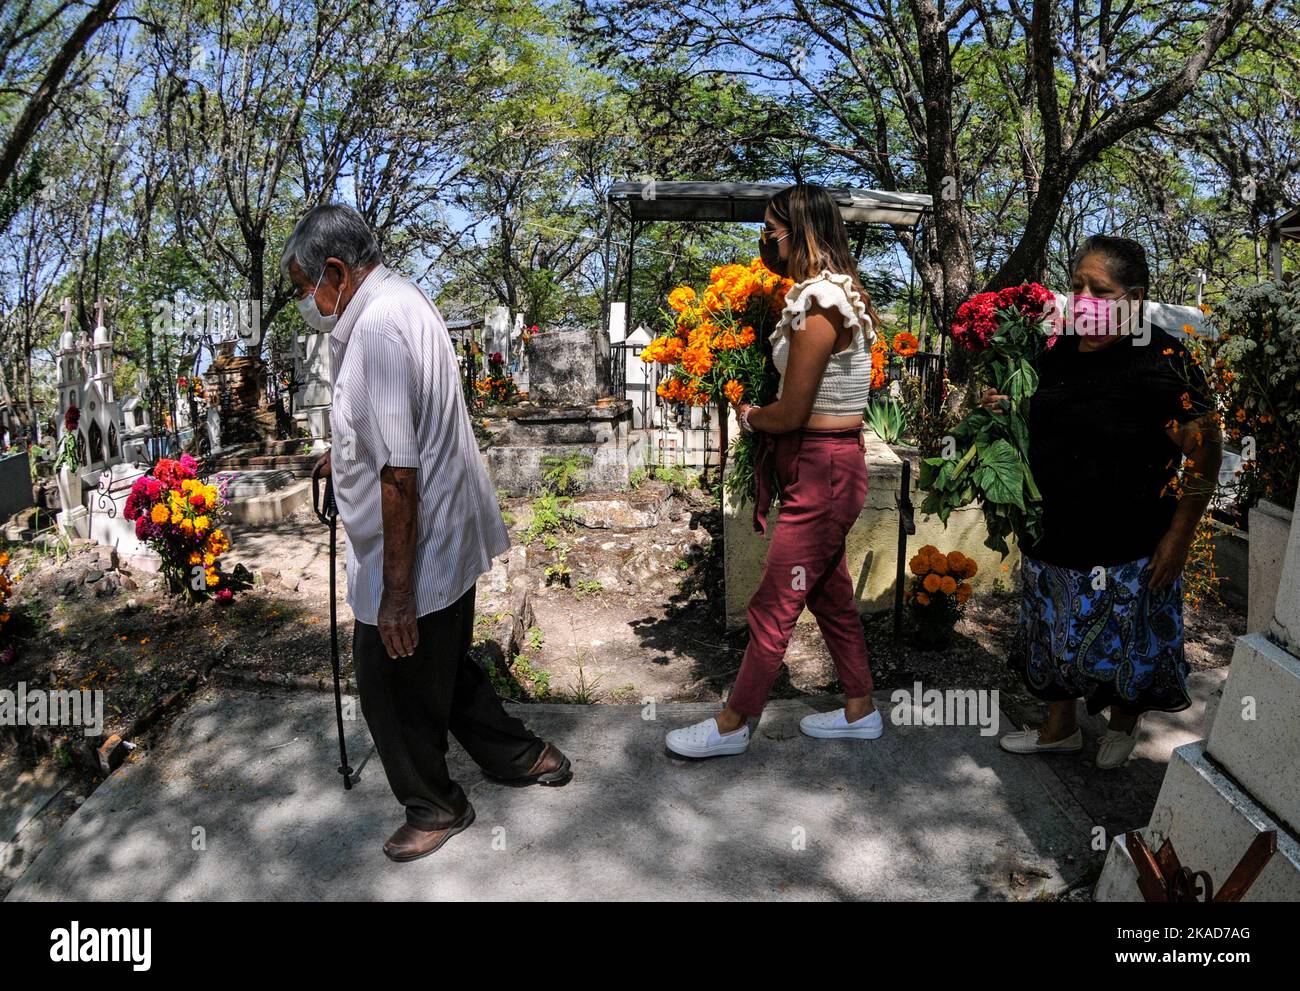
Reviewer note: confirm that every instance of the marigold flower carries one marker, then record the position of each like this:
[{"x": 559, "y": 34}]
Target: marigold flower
[
  {"x": 906, "y": 344},
  {"x": 947, "y": 585},
  {"x": 931, "y": 583},
  {"x": 160, "y": 514}
]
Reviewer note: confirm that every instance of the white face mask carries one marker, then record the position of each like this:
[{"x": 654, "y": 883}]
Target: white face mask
[{"x": 311, "y": 313}]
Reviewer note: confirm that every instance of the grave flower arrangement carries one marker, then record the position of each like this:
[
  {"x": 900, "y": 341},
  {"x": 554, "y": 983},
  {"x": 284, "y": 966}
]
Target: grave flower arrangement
[
  {"x": 7, "y": 583},
  {"x": 938, "y": 593},
  {"x": 1253, "y": 365},
  {"x": 67, "y": 456},
  {"x": 716, "y": 350},
  {"x": 988, "y": 457},
  {"x": 180, "y": 517},
  {"x": 497, "y": 385},
  {"x": 190, "y": 386}
]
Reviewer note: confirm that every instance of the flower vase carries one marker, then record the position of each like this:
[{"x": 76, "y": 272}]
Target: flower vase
[
  {"x": 932, "y": 630},
  {"x": 69, "y": 489}
]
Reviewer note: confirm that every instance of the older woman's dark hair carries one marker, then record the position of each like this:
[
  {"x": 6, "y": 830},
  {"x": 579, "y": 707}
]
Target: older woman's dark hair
[{"x": 1125, "y": 259}]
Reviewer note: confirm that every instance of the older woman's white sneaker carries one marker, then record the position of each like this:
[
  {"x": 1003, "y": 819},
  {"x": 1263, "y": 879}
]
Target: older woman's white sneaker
[
  {"x": 704, "y": 740},
  {"x": 1025, "y": 741},
  {"x": 1115, "y": 748},
  {"x": 834, "y": 726}
]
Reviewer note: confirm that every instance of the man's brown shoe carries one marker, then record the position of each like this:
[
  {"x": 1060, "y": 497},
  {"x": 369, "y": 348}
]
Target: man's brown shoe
[
  {"x": 551, "y": 768},
  {"x": 410, "y": 843}
]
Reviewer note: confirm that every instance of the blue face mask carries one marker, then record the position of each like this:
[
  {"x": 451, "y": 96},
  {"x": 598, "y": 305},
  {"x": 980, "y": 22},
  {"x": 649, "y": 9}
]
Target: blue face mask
[{"x": 311, "y": 313}]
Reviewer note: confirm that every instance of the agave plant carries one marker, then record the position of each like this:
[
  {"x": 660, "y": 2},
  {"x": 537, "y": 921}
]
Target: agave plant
[{"x": 888, "y": 419}]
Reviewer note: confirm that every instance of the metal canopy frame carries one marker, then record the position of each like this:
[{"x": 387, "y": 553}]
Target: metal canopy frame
[
  {"x": 642, "y": 203},
  {"x": 745, "y": 202}
]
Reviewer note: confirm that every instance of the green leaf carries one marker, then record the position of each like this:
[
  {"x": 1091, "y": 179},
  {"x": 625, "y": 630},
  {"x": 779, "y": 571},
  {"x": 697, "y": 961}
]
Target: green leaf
[{"x": 999, "y": 474}]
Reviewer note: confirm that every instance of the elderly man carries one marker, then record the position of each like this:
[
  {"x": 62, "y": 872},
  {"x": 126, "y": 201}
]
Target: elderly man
[{"x": 422, "y": 524}]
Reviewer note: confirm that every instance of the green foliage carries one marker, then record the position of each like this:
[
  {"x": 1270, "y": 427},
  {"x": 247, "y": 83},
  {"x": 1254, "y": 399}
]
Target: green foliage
[
  {"x": 566, "y": 473},
  {"x": 990, "y": 450},
  {"x": 551, "y": 513},
  {"x": 583, "y": 691},
  {"x": 588, "y": 586},
  {"x": 888, "y": 419},
  {"x": 558, "y": 572},
  {"x": 677, "y": 476}
]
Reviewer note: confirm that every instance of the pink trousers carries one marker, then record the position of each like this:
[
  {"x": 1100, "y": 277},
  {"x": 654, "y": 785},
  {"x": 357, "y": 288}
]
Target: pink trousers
[{"x": 823, "y": 481}]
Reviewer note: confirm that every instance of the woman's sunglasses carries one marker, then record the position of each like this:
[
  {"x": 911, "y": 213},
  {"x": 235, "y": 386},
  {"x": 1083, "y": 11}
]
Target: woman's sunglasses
[{"x": 766, "y": 235}]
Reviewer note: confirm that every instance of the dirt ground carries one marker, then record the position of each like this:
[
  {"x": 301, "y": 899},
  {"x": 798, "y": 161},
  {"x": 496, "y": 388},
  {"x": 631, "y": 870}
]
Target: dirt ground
[{"x": 651, "y": 628}]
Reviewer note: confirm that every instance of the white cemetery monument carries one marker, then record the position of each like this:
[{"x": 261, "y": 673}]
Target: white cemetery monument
[
  {"x": 681, "y": 435},
  {"x": 496, "y": 333},
  {"x": 311, "y": 403},
  {"x": 1222, "y": 793},
  {"x": 94, "y": 496},
  {"x": 617, "y": 322},
  {"x": 639, "y": 382},
  {"x": 137, "y": 424}
]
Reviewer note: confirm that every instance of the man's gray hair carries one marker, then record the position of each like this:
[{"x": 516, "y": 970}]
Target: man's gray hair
[{"x": 330, "y": 230}]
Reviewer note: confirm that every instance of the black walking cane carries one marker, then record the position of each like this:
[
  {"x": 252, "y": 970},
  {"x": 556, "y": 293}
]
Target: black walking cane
[{"x": 328, "y": 514}]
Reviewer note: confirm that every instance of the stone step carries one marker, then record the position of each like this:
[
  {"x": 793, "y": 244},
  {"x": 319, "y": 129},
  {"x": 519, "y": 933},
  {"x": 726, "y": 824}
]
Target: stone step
[
  {"x": 1212, "y": 823},
  {"x": 300, "y": 465},
  {"x": 1255, "y": 733},
  {"x": 271, "y": 506}
]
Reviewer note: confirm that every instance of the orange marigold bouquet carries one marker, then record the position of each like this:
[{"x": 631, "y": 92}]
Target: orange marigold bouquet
[
  {"x": 180, "y": 517},
  {"x": 7, "y": 582},
  {"x": 716, "y": 349},
  {"x": 938, "y": 593}
]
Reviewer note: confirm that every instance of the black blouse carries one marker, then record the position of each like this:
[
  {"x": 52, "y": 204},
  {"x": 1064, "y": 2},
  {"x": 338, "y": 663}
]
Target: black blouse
[{"x": 1098, "y": 447}]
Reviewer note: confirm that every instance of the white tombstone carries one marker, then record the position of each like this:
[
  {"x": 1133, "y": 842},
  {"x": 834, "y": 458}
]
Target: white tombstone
[
  {"x": 1220, "y": 793},
  {"x": 617, "y": 322},
  {"x": 213, "y": 427},
  {"x": 1286, "y": 616},
  {"x": 314, "y": 372},
  {"x": 639, "y": 381},
  {"x": 72, "y": 518},
  {"x": 313, "y": 398},
  {"x": 496, "y": 333}
]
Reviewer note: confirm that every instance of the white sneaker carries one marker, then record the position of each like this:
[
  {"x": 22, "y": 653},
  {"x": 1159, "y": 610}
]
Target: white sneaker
[
  {"x": 1115, "y": 748},
  {"x": 704, "y": 740},
  {"x": 1025, "y": 741},
  {"x": 833, "y": 726}
]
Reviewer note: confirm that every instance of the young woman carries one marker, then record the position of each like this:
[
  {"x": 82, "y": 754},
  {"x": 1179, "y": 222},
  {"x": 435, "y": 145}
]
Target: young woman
[
  {"x": 810, "y": 442},
  {"x": 1119, "y": 405}
]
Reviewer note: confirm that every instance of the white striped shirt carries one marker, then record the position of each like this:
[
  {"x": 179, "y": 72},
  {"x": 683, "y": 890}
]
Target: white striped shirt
[{"x": 397, "y": 402}]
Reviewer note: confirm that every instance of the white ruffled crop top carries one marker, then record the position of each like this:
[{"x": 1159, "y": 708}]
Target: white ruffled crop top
[{"x": 846, "y": 384}]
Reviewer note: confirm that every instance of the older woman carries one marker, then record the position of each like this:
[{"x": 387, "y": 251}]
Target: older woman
[{"x": 1119, "y": 405}]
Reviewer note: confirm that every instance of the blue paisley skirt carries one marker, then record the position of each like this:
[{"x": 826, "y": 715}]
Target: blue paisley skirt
[{"x": 1105, "y": 641}]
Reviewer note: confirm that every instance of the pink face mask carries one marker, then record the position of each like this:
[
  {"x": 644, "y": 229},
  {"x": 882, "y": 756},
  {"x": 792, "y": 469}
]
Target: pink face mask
[{"x": 1093, "y": 316}]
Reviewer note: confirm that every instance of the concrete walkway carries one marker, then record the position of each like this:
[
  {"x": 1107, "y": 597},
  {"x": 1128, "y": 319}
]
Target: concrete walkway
[{"x": 242, "y": 801}]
